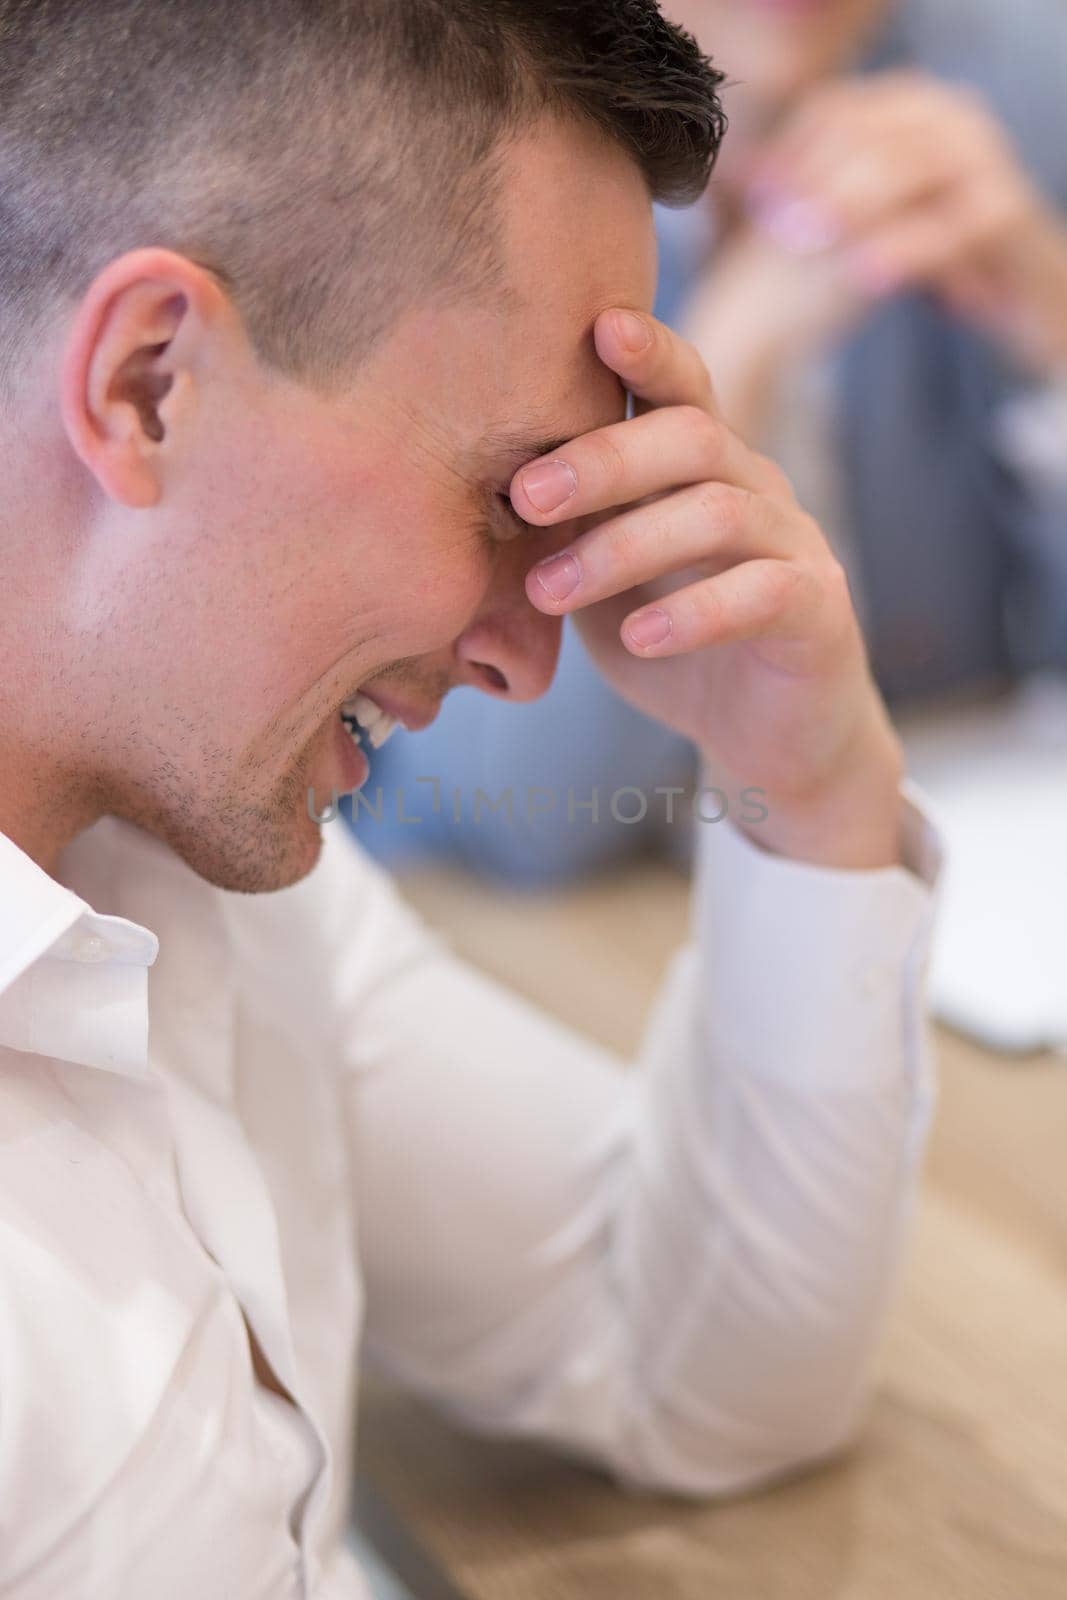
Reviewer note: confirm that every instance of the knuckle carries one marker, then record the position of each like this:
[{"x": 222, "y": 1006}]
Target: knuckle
[
  {"x": 967, "y": 99},
  {"x": 971, "y": 111},
  {"x": 779, "y": 484},
  {"x": 705, "y": 385},
  {"x": 708, "y": 607},
  {"x": 1007, "y": 206},
  {"x": 724, "y": 506},
  {"x": 834, "y": 582},
  {"x": 703, "y": 431},
  {"x": 812, "y": 533},
  {"x": 629, "y": 542},
  {"x": 608, "y": 460},
  {"x": 782, "y": 584}
]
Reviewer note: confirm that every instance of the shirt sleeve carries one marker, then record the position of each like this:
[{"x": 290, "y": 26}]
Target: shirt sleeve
[
  {"x": 1030, "y": 434},
  {"x": 680, "y": 1271},
  {"x": 1029, "y": 444}
]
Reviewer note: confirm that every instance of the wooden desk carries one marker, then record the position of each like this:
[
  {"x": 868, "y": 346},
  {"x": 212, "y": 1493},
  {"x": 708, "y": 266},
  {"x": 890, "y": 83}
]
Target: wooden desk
[{"x": 958, "y": 1490}]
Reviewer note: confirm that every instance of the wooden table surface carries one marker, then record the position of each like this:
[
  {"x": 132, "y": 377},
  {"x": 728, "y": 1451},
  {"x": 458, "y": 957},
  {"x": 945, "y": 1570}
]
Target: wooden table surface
[{"x": 958, "y": 1490}]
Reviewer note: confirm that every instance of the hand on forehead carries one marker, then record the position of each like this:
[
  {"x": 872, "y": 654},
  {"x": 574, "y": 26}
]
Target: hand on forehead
[{"x": 660, "y": 370}]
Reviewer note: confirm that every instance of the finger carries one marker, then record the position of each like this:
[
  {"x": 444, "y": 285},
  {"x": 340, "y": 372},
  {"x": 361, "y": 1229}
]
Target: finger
[
  {"x": 970, "y": 291},
  {"x": 854, "y": 112},
  {"x": 760, "y": 599},
  {"x": 810, "y": 206},
  {"x": 817, "y": 113},
  {"x": 829, "y": 177},
  {"x": 859, "y": 191},
  {"x": 862, "y": 131},
  {"x": 943, "y": 147},
  {"x": 657, "y": 366},
  {"x": 628, "y": 461},
  {"x": 932, "y": 240},
  {"x": 711, "y": 523}
]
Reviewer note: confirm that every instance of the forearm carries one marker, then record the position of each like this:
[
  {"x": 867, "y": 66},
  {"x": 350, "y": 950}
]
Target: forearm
[
  {"x": 1030, "y": 314},
  {"x": 795, "y": 1132},
  {"x": 746, "y": 362},
  {"x": 758, "y": 313},
  {"x": 754, "y": 1222},
  {"x": 746, "y": 375},
  {"x": 680, "y": 1273}
]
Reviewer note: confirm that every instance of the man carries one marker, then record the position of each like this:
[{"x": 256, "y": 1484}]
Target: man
[
  {"x": 292, "y": 297},
  {"x": 878, "y": 280}
]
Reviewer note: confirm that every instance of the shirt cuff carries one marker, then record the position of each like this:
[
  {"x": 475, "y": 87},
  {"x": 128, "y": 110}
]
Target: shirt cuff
[
  {"x": 1030, "y": 431},
  {"x": 815, "y": 975}
]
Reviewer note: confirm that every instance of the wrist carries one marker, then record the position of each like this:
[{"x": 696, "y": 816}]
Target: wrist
[
  {"x": 746, "y": 362},
  {"x": 1037, "y": 271},
  {"x": 849, "y": 818}
]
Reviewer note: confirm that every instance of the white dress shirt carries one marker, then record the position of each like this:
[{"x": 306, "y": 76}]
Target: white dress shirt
[{"x": 275, "y": 1129}]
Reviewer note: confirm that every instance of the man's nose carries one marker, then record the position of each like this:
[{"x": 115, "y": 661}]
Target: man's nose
[{"x": 510, "y": 650}]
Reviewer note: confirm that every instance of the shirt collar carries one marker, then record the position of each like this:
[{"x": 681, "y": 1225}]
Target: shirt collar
[{"x": 90, "y": 986}]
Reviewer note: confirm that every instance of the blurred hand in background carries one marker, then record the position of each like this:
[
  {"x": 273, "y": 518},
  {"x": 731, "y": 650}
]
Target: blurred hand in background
[
  {"x": 905, "y": 182},
  {"x": 836, "y": 191}
]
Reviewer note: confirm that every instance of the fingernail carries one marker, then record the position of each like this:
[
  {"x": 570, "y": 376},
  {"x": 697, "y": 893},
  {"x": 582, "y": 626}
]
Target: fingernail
[
  {"x": 649, "y": 627},
  {"x": 634, "y": 332},
  {"x": 550, "y": 485},
  {"x": 559, "y": 576}
]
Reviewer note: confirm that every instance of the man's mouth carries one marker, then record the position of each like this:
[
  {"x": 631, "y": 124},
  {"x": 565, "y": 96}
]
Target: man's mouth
[{"x": 367, "y": 721}]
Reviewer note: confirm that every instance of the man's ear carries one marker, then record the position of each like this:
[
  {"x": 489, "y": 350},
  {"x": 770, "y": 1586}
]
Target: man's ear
[{"x": 128, "y": 368}]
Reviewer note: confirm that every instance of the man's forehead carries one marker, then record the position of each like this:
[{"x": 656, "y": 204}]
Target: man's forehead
[
  {"x": 565, "y": 394},
  {"x": 518, "y": 422},
  {"x": 575, "y": 209},
  {"x": 462, "y": 391},
  {"x": 521, "y": 370},
  {"x": 527, "y": 424}
]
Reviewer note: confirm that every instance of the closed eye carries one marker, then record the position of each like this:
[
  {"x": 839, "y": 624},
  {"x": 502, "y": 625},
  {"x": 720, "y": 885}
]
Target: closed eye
[{"x": 513, "y": 522}]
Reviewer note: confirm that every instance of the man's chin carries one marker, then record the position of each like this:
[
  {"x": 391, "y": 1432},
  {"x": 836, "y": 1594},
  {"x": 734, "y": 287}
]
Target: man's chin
[
  {"x": 274, "y": 855},
  {"x": 252, "y": 837},
  {"x": 236, "y": 843}
]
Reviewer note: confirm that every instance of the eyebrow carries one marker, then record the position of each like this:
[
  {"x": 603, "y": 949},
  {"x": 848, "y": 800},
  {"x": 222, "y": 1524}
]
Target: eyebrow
[{"x": 524, "y": 444}]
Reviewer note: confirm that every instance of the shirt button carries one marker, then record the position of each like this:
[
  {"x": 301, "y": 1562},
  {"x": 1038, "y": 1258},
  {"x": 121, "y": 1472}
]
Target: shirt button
[{"x": 90, "y": 949}]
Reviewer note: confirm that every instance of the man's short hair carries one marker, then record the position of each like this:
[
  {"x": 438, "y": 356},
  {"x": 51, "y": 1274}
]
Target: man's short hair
[{"x": 331, "y": 161}]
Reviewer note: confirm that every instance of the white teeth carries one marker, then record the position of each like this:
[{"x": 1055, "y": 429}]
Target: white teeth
[
  {"x": 364, "y": 710},
  {"x": 377, "y": 724}
]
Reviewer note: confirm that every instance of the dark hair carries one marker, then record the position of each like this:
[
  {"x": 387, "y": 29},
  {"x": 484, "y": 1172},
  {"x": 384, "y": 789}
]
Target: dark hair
[{"x": 332, "y": 161}]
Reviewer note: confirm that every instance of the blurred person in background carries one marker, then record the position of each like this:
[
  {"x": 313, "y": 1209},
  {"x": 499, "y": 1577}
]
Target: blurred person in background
[{"x": 877, "y": 278}]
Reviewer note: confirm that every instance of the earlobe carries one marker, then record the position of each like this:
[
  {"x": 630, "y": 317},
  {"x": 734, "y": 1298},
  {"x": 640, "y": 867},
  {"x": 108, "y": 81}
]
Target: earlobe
[{"x": 121, "y": 376}]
